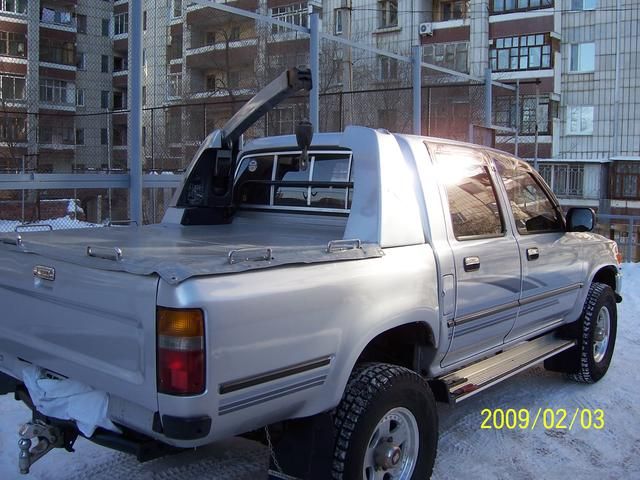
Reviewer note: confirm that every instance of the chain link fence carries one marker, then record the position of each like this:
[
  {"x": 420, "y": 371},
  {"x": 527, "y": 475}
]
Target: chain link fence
[{"x": 61, "y": 208}]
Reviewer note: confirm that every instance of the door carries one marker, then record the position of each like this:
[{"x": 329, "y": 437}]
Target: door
[
  {"x": 552, "y": 268},
  {"x": 487, "y": 264}
]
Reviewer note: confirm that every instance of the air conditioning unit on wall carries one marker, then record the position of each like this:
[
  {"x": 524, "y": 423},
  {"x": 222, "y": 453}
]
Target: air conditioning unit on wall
[{"x": 425, "y": 28}]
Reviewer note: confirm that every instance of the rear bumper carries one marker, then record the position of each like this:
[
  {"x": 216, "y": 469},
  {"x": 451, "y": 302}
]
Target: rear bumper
[{"x": 180, "y": 428}]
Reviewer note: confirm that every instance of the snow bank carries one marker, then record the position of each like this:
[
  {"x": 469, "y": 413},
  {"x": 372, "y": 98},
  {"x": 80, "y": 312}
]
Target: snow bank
[{"x": 62, "y": 223}]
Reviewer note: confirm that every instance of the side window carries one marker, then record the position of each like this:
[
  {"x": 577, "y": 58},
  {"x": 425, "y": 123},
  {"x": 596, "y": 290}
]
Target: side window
[
  {"x": 473, "y": 205},
  {"x": 533, "y": 210}
]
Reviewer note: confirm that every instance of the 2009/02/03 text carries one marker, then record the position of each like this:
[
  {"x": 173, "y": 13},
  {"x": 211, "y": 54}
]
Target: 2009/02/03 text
[{"x": 547, "y": 418}]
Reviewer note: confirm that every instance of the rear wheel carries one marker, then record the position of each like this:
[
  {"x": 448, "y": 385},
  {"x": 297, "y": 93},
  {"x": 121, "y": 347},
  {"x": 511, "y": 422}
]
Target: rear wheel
[{"x": 386, "y": 426}]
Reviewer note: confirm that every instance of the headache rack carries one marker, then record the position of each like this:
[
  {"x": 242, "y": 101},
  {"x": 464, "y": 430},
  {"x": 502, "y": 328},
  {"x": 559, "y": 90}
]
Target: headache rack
[{"x": 273, "y": 181}]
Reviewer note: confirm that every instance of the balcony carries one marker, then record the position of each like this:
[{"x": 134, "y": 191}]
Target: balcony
[
  {"x": 59, "y": 19},
  {"x": 500, "y": 7},
  {"x": 446, "y": 10},
  {"x": 58, "y": 53},
  {"x": 56, "y": 138}
]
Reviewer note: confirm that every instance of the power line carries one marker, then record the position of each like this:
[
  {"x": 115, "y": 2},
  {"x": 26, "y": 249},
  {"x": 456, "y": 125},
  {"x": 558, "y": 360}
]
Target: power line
[{"x": 479, "y": 8}]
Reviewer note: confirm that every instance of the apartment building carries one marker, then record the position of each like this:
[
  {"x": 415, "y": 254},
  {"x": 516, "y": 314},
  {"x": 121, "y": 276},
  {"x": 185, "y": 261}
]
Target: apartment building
[
  {"x": 576, "y": 63},
  {"x": 54, "y": 67}
]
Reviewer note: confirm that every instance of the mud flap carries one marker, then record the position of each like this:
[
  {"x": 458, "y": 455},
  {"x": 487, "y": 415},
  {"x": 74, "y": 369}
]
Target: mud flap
[{"x": 305, "y": 452}]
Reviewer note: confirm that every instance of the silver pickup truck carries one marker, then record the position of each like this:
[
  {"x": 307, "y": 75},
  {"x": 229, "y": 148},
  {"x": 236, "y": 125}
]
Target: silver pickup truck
[{"x": 319, "y": 292}]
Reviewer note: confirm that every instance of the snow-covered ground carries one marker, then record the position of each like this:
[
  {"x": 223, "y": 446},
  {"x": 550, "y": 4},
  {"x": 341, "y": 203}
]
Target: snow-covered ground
[
  {"x": 62, "y": 223},
  {"x": 465, "y": 450}
]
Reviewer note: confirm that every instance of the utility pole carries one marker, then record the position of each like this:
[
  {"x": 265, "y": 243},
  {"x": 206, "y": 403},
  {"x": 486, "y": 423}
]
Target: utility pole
[
  {"x": 314, "y": 60},
  {"x": 135, "y": 113}
]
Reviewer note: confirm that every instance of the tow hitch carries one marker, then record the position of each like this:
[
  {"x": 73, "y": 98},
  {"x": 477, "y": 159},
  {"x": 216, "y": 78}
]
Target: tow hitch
[{"x": 48, "y": 436}]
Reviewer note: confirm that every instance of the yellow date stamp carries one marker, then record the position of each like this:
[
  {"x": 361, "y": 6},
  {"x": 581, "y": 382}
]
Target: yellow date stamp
[{"x": 547, "y": 418}]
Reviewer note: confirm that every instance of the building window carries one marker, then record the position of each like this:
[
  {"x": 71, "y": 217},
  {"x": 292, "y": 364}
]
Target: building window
[
  {"x": 533, "y": 112},
  {"x": 12, "y": 87},
  {"x": 120, "y": 135},
  {"x": 56, "y": 51},
  {"x": 56, "y": 135},
  {"x": 176, "y": 11},
  {"x": 582, "y": 57},
  {"x": 79, "y": 136},
  {"x": 295, "y": 13},
  {"x": 504, "y": 6},
  {"x": 338, "y": 14},
  {"x": 625, "y": 180},
  {"x": 13, "y": 6},
  {"x": 566, "y": 180},
  {"x": 120, "y": 64},
  {"x": 104, "y": 136},
  {"x": 144, "y": 20},
  {"x": 13, "y": 44},
  {"x": 104, "y": 63},
  {"x": 120, "y": 100},
  {"x": 387, "y": 69},
  {"x": 105, "y": 27},
  {"x": 121, "y": 23},
  {"x": 451, "y": 10},
  {"x": 527, "y": 52},
  {"x": 13, "y": 129},
  {"x": 144, "y": 95},
  {"x": 56, "y": 17},
  {"x": 57, "y": 91},
  {"x": 81, "y": 21},
  {"x": 583, "y": 4},
  {"x": 81, "y": 60},
  {"x": 454, "y": 56},
  {"x": 580, "y": 120},
  {"x": 211, "y": 82},
  {"x": 80, "y": 97},
  {"x": 104, "y": 99},
  {"x": 387, "y": 13},
  {"x": 175, "y": 84}
]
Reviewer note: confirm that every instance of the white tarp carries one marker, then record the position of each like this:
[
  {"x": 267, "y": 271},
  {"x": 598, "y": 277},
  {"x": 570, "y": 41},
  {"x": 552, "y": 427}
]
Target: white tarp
[{"x": 68, "y": 400}]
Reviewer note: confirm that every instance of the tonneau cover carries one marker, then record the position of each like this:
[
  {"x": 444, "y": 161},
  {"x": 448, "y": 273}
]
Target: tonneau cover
[{"x": 177, "y": 253}]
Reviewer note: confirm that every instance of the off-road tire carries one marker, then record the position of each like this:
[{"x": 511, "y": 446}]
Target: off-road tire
[
  {"x": 579, "y": 363},
  {"x": 373, "y": 390}
]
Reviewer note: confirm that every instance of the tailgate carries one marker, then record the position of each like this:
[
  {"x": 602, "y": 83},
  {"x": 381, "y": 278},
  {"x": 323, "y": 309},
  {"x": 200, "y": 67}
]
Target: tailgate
[{"x": 94, "y": 326}]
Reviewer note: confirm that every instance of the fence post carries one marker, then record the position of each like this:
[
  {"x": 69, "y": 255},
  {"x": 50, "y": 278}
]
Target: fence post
[
  {"x": 630, "y": 242},
  {"x": 515, "y": 141},
  {"x": 314, "y": 60},
  {"x": 135, "y": 119},
  {"x": 487, "y": 98},
  {"x": 416, "y": 60}
]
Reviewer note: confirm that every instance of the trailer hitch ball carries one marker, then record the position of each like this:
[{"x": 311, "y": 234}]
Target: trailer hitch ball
[
  {"x": 48, "y": 438},
  {"x": 24, "y": 462}
]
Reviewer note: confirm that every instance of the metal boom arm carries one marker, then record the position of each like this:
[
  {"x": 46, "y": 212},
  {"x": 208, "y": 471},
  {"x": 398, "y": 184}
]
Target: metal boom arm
[{"x": 287, "y": 84}]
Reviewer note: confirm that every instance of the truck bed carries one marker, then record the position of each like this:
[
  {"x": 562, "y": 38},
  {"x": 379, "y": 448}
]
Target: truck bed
[{"x": 178, "y": 252}]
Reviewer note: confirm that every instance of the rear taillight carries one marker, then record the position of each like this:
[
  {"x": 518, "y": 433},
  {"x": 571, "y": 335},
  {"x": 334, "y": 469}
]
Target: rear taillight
[{"x": 181, "y": 364}]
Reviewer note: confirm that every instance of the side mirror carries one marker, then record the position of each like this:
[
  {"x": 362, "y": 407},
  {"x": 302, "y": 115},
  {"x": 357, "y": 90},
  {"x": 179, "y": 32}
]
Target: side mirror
[
  {"x": 304, "y": 136},
  {"x": 580, "y": 219}
]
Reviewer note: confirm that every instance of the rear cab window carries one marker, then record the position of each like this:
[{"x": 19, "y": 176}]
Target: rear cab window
[
  {"x": 473, "y": 205},
  {"x": 275, "y": 181}
]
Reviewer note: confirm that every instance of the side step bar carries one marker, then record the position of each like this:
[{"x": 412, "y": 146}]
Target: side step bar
[{"x": 470, "y": 380}]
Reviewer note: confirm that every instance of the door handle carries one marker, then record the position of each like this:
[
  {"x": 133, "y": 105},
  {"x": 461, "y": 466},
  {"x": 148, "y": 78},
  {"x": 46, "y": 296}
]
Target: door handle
[
  {"x": 533, "y": 253},
  {"x": 471, "y": 264}
]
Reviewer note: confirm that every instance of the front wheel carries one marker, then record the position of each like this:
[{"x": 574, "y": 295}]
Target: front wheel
[
  {"x": 386, "y": 426},
  {"x": 597, "y": 334}
]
